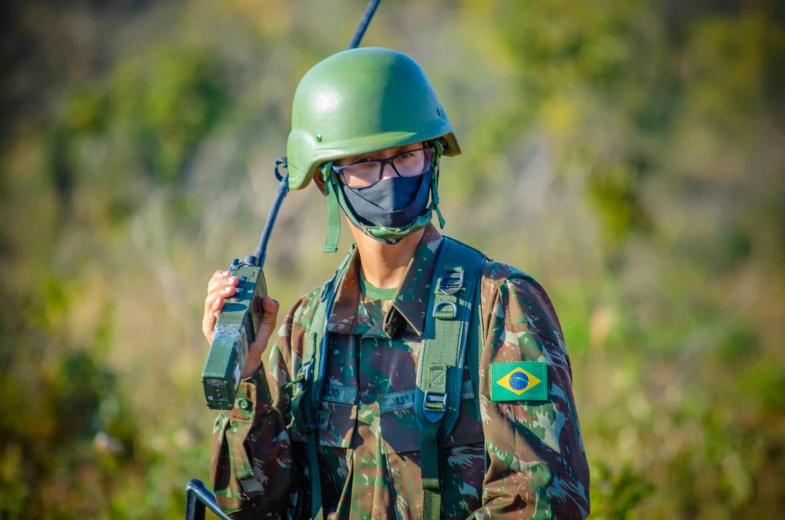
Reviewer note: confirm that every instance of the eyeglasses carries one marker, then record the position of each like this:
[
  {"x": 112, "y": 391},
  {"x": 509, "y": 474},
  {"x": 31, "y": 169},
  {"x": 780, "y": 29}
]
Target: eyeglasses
[{"x": 366, "y": 173}]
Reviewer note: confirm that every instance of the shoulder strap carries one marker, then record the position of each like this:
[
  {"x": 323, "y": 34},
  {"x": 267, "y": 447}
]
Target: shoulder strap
[
  {"x": 309, "y": 380},
  {"x": 316, "y": 341},
  {"x": 439, "y": 373},
  {"x": 476, "y": 341}
]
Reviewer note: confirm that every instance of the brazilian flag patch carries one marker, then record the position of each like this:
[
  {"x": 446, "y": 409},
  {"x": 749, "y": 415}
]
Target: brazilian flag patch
[{"x": 519, "y": 381}]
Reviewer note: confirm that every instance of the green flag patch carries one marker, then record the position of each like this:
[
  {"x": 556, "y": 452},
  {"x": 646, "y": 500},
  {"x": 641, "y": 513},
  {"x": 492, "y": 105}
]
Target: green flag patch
[{"x": 522, "y": 380}]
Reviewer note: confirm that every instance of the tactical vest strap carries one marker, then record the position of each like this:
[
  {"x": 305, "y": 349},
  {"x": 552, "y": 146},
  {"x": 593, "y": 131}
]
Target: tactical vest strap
[
  {"x": 310, "y": 377},
  {"x": 439, "y": 373},
  {"x": 449, "y": 327},
  {"x": 474, "y": 352}
]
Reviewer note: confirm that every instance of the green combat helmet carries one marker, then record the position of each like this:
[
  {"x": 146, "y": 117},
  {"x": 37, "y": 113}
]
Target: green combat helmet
[{"x": 360, "y": 101}]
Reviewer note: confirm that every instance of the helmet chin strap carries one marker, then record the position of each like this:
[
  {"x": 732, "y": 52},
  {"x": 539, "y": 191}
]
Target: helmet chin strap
[
  {"x": 335, "y": 199},
  {"x": 437, "y": 145},
  {"x": 333, "y": 216}
]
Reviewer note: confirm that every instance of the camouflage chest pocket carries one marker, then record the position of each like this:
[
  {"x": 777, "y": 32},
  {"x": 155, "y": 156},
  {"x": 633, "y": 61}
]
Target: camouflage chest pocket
[
  {"x": 400, "y": 431},
  {"x": 398, "y": 426},
  {"x": 336, "y": 418},
  {"x": 464, "y": 453}
]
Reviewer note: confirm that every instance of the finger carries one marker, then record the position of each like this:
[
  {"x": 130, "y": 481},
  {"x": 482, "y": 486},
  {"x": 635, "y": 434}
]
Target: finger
[
  {"x": 209, "y": 301},
  {"x": 214, "y": 300},
  {"x": 208, "y": 325},
  {"x": 223, "y": 291},
  {"x": 218, "y": 305},
  {"x": 270, "y": 317},
  {"x": 270, "y": 307},
  {"x": 221, "y": 282},
  {"x": 266, "y": 328},
  {"x": 219, "y": 294},
  {"x": 217, "y": 276},
  {"x": 212, "y": 311}
]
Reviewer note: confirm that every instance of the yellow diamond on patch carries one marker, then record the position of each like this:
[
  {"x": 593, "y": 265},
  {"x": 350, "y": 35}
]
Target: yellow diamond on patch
[{"x": 518, "y": 381}]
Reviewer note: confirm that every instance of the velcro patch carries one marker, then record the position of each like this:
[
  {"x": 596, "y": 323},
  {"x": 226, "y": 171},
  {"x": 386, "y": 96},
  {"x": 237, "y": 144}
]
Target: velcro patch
[
  {"x": 519, "y": 381},
  {"x": 339, "y": 394},
  {"x": 396, "y": 401}
]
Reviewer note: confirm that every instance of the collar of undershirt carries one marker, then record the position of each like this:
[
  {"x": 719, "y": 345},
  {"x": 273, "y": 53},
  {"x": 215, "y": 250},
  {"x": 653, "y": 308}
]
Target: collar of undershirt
[{"x": 410, "y": 300}]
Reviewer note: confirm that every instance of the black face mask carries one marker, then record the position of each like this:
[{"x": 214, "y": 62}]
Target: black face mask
[{"x": 392, "y": 203}]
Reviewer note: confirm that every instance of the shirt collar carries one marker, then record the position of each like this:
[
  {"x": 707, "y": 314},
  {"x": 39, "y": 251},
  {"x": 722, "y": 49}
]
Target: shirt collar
[{"x": 411, "y": 299}]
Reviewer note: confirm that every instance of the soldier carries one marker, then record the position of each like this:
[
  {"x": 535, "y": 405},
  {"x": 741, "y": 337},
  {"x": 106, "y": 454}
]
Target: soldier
[{"x": 368, "y": 129}]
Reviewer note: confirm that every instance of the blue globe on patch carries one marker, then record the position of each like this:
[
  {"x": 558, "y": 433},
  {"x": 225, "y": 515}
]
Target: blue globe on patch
[{"x": 519, "y": 381}]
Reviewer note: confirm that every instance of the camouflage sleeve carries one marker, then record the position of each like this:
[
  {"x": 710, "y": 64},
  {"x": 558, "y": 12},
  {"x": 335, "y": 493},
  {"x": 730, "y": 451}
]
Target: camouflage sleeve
[
  {"x": 536, "y": 464},
  {"x": 252, "y": 464}
]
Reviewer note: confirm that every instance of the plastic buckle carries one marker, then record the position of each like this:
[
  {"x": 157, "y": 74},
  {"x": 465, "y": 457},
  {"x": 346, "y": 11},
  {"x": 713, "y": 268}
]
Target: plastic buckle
[
  {"x": 434, "y": 406},
  {"x": 451, "y": 281},
  {"x": 440, "y": 305}
]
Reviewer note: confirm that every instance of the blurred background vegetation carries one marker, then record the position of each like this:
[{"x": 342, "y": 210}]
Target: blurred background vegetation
[{"x": 630, "y": 155}]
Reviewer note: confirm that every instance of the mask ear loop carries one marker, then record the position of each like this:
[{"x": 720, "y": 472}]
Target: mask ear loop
[
  {"x": 439, "y": 150},
  {"x": 333, "y": 215}
]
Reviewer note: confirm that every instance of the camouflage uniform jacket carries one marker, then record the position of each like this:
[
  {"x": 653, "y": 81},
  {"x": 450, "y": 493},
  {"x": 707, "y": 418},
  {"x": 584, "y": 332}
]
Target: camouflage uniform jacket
[{"x": 503, "y": 460}]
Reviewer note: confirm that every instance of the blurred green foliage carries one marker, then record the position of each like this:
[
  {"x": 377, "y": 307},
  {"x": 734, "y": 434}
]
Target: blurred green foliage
[{"x": 629, "y": 155}]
